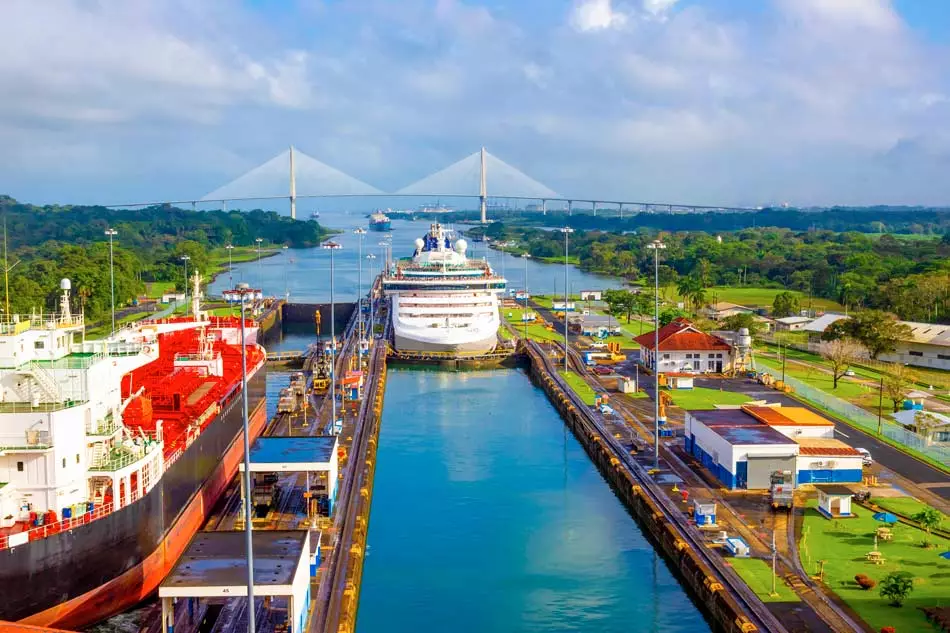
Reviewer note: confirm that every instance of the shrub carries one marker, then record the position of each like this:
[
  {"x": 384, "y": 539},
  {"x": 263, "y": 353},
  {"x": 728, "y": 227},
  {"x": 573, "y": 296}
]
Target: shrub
[
  {"x": 865, "y": 582},
  {"x": 897, "y": 586},
  {"x": 888, "y": 629}
]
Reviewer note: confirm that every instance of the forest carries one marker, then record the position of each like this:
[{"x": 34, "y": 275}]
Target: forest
[
  {"x": 908, "y": 277},
  {"x": 46, "y": 243}
]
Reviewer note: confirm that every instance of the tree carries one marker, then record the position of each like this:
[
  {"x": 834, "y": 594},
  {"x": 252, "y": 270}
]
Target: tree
[
  {"x": 898, "y": 380},
  {"x": 621, "y": 302},
  {"x": 897, "y": 586},
  {"x": 785, "y": 304},
  {"x": 878, "y": 331},
  {"x": 840, "y": 354},
  {"x": 668, "y": 315},
  {"x": 742, "y": 320},
  {"x": 929, "y": 518}
]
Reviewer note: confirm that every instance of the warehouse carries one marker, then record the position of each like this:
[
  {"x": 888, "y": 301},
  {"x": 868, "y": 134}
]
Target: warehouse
[
  {"x": 739, "y": 450},
  {"x": 743, "y": 446}
]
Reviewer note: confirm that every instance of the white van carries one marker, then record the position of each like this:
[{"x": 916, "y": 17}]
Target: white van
[{"x": 866, "y": 458}]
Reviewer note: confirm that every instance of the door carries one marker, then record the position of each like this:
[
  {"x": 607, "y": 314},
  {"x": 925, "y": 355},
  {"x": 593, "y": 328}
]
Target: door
[
  {"x": 761, "y": 469},
  {"x": 718, "y": 366}
]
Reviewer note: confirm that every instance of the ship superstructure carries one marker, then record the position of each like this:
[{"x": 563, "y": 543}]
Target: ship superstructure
[
  {"x": 379, "y": 221},
  {"x": 111, "y": 452},
  {"x": 442, "y": 301}
]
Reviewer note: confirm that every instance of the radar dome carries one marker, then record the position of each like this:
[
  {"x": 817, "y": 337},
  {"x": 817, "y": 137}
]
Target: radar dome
[
  {"x": 65, "y": 284},
  {"x": 419, "y": 243},
  {"x": 460, "y": 246}
]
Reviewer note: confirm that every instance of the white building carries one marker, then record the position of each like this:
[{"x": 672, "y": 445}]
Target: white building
[
  {"x": 724, "y": 309},
  {"x": 590, "y": 295},
  {"x": 743, "y": 446},
  {"x": 685, "y": 349},
  {"x": 791, "y": 323},
  {"x": 927, "y": 346}
]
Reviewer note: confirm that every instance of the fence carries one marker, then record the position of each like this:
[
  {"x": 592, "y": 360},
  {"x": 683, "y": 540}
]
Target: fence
[{"x": 861, "y": 418}]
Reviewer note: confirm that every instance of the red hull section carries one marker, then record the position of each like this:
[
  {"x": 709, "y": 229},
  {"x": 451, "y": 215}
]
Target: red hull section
[{"x": 138, "y": 583}]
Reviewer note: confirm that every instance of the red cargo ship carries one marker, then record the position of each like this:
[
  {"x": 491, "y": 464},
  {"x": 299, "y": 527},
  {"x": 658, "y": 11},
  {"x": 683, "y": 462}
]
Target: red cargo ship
[{"x": 170, "y": 449}]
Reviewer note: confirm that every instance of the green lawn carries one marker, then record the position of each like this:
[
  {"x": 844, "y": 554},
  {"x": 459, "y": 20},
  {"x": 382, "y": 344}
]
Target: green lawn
[
  {"x": 842, "y": 544},
  {"x": 580, "y": 387},
  {"x": 234, "y": 310},
  {"x": 848, "y": 389},
  {"x": 703, "y": 398},
  {"x": 757, "y": 573},
  {"x": 755, "y": 297},
  {"x": 535, "y": 332},
  {"x": 155, "y": 289},
  {"x": 907, "y": 506},
  {"x": 219, "y": 256}
]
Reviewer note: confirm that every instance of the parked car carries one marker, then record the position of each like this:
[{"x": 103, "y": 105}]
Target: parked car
[
  {"x": 849, "y": 372},
  {"x": 600, "y": 370},
  {"x": 866, "y": 458}
]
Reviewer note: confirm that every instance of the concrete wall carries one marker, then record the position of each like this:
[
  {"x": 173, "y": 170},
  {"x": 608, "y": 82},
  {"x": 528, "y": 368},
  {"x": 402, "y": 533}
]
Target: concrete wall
[
  {"x": 821, "y": 432},
  {"x": 304, "y": 313},
  {"x": 694, "y": 362},
  {"x": 920, "y": 355}
]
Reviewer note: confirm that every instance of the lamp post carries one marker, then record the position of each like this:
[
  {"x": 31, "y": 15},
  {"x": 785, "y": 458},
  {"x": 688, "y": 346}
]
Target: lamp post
[
  {"x": 524, "y": 322},
  {"x": 657, "y": 246},
  {"x": 360, "y": 233},
  {"x": 332, "y": 246},
  {"x": 112, "y": 233},
  {"x": 372, "y": 299},
  {"x": 567, "y": 232},
  {"x": 185, "y": 259},
  {"x": 260, "y": 272},
  {"x": 230, "y": 248},
  {"x": 247, "y": 473}
]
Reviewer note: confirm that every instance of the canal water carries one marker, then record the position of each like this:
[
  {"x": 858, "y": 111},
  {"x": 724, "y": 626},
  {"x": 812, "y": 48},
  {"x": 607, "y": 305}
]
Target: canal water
[
  {"x": 487, "y": 515},
  {"x": 304, "y": 274}
]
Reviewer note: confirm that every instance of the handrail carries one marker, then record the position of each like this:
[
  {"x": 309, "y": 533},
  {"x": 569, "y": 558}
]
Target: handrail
[{"x": 63, "y": 525}]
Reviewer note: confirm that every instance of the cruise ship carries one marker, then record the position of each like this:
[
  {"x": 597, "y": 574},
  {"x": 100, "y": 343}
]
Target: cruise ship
[
  {"x": 442, "y": 301},
  {"x": 112, "y": 454}
]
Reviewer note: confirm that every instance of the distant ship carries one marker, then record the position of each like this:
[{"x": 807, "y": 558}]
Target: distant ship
[
  {"x": 379, "y": 221},
  {"x": 438, "y": 207},
  {"x": 315, "y": 215},
  {"x": 442, "y": 300}
]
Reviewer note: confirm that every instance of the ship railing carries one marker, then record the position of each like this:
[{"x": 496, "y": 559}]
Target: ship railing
[
  {"x": 17, "y": 323},
  {"x": 49, "y": 529},
  {"x": 103, "y": 427}
]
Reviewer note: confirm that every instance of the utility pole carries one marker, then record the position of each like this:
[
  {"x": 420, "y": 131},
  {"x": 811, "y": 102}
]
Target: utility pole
[
  {"x": 112, "y": 233},
  {"x": 360, "y": 233},
  {"x": 524, "y": 320},
  {"x": 657, "y": 246},
  {"x": 230, "y": 248},
  {"x": 332, "y": 247},
  {"x": 567, "y": 297},
  {"x": 880, "y": 407},
  {"x": 248, "y": 534}
]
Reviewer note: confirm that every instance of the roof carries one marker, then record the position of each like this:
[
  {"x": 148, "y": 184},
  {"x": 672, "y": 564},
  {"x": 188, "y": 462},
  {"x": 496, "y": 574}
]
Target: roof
[
  {"x": 787, "y": 416},
  {"x": 929, "y": 333},
  {"x": 821, "y": 324},
  {"x": 821, "y": 447},
  {"x": 217, "y": 560},
  {"x": 757, "y": 434},
  {"x": 724, "y": 417},
  {"x": 721, "y": 306},
  {"x": 793, "y": 320},
  {"x": 836, "y": 490},
  {"x": 909, "y": 416},
  {"x": 681, "y": 335},
  {"x": 293, "y": 450}
]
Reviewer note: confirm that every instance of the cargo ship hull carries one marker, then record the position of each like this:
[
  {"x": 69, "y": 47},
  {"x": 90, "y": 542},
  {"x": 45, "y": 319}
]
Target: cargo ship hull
[
  {"x": 384, "y": 225},
  {"x": 76, "y": 578}
]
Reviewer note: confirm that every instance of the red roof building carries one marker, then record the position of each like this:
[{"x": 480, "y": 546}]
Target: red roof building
[{"x": 685, "y": 349}]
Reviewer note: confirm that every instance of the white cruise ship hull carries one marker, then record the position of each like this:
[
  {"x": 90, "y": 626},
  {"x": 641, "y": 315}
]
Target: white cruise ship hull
[{"x": 462, "y": 345}]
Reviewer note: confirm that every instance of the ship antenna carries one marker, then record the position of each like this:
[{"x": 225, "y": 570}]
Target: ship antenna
[{"x": 195, "y": 301}]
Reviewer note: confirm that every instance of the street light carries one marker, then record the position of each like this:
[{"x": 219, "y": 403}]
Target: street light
[
  {"x": 185, "y": 259},
  {"x": 360, "y": 233},
  {"x": 112, "y": 233},
  {"x": 524, "y": 320},
  {"x": 657, "y": 246},
  {"x": 247, "y": 471},
  {"x": 567, "y": 232},
  {"x": 372, "y": 300},
  {"x": 230, "y": 248},
  {"x": 260, "y": 274},
  {"x": 332, "y": 246}
]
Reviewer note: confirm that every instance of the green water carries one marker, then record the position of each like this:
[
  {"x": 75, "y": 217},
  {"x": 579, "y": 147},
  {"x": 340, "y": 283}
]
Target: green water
[{"x": 488, "y": 516}]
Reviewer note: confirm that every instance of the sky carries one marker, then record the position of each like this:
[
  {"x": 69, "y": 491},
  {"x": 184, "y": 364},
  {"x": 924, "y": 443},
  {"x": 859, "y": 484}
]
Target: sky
[{"x": 718, "y": 102}]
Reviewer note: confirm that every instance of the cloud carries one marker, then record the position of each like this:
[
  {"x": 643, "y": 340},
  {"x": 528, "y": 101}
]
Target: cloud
[
  {"x": 596, "y": 15},
  {"x": 805, "y": 101}
]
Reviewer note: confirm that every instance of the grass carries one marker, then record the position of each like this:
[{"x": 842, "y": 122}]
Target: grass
[
  {"x": 850, "y": 390},
  {"x": 908, "y": 506},
  {"x": 758, "y": 575},
  {"x": 219, "y": 256},
  {"x": 536, "y": 332},
  {"x": 234, "y": 310},
  {"x": 703, "y": 398},
  {"x": 580, "y": 387},
  {"x": 753, "y": 297},
  {"x": 155, "y": 289},
  {"x": 842, "y": 544}
]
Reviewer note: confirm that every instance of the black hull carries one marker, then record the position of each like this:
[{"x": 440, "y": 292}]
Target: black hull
[{"x": 45, "y": 573}]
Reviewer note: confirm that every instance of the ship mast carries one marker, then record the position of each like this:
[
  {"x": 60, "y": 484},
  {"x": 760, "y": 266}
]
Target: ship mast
[{"x": 195, "y": 301}]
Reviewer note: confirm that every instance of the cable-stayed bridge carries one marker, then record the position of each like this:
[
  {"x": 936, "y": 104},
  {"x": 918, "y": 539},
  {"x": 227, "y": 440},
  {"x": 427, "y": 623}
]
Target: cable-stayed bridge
[{"x": 292, "y": 175}]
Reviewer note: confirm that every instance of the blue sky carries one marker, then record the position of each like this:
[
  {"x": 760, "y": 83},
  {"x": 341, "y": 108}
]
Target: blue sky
[{"x": 706, "y": 101}]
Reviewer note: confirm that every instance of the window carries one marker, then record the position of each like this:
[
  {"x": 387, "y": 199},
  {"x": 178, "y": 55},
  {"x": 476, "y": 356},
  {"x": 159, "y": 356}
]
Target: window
[
  {"x": 718, "y": 355},
  {"x": 19, "y": 467},
  {"x": 913, "y": 353},
  {"x": 712, "y": 356},
  {"x": 666, "y": 357},
  {"x": 77, "y": 458},
  {"x": 39, "y": 345},
  {"x": 64, "y": 462},
  {"x": 943, "y": 356}
]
